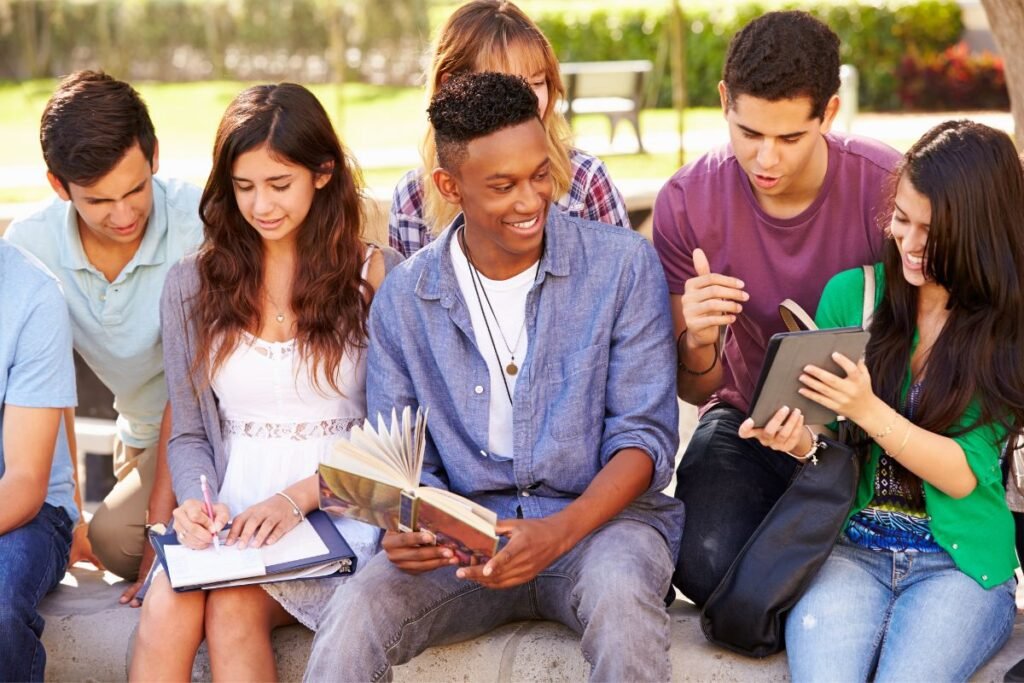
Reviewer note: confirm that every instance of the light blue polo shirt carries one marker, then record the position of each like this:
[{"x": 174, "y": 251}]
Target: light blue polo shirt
[
  {"x": 116, "y": 325},
  {"x": 36, "y": 367}
]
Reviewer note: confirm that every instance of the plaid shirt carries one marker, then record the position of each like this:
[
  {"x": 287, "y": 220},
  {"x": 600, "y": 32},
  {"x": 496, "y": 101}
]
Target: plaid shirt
[{"x": 591, "y": 196}]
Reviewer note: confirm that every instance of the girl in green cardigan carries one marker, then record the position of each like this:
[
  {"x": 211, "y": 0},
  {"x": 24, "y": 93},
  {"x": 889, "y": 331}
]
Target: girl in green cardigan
[{"x": 920, "y": 585}]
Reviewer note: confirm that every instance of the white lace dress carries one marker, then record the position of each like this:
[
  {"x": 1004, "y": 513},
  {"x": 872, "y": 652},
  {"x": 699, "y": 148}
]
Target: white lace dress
[{"x": 277, "y": 427}]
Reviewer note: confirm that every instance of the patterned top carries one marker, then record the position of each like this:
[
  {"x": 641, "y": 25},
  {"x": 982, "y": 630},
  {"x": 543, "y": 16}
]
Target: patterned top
[
  {"x": 591, "y": 195},
  {"x": 896, "y": 519}
]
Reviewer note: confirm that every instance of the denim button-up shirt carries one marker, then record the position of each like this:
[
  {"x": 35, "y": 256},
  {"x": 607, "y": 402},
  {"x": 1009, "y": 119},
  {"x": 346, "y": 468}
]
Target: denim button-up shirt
[{"x": 599, "y": 375}]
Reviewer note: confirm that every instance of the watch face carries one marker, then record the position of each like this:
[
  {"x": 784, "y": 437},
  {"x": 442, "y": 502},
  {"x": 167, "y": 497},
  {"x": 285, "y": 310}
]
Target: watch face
[{"x": 158, "y": 528}]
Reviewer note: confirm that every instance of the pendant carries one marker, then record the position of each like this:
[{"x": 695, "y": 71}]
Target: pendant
[
  {"x": 512, "y": 369},
  {"x": 280, "y": 317}
]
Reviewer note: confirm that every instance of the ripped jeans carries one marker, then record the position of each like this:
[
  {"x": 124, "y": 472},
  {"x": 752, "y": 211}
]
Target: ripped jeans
[{"x": 895, "y": 616}]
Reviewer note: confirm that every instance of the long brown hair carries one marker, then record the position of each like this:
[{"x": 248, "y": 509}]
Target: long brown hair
[
  {"x": 483, "y": 35},
  {"x": 327, "y": 289},
  {"x": 974, "y": 181}
]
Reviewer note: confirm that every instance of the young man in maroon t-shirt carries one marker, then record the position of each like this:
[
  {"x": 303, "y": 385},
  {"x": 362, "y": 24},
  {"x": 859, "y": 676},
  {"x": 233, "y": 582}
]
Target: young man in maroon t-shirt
[{"x": 773, "y": 215}]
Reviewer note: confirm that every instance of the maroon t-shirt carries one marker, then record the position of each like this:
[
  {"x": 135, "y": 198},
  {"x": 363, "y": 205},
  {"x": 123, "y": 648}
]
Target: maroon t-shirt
[{"x": 709, "y": 204}]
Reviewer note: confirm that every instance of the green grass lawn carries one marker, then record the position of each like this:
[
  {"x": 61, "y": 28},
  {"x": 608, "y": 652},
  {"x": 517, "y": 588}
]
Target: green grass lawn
[
  {"x": 367, "y": 118},
  {"x": 370, "y": 119},
  {"x": 186, "y": 115}
]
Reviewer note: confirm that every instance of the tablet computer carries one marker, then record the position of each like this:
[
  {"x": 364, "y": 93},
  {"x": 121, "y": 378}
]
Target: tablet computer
[{"x": 788, "y": 353}]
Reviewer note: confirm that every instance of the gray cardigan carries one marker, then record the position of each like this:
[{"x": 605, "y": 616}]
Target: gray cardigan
[{"x": 196, "y": 445}]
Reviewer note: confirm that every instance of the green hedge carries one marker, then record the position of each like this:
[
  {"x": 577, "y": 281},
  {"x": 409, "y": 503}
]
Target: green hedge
[
  {"x": 276, "y": 39},
  {"x": 874, "y": 39}
]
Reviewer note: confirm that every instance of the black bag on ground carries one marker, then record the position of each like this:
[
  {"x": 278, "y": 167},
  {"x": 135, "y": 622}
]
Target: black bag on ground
[{"x": 747, "y": 611}]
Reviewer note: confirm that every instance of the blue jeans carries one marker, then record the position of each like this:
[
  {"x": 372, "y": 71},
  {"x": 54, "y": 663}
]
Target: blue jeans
[
  {"x": 609, "y": 589},
  {"x": 901, "y": 616},
  {"x": 32, "y": 562},
  {"x": 728, "y": 485}
]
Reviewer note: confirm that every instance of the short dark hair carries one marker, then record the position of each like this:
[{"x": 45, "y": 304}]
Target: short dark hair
[
  {"x": 784, "y": 55},
  {"x": 473, "y": 105},
  {"x": 89, "y": 124}
]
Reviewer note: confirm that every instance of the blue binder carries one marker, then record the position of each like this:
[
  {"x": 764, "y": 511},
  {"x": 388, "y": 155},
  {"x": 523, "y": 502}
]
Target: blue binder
[{"x": 337, "y": 550}]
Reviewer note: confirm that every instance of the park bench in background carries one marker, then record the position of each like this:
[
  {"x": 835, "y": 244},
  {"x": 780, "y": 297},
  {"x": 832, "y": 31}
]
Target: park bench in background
[{"x": 615, "y": 89}]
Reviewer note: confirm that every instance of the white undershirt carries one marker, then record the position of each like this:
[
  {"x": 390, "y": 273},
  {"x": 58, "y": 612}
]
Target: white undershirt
[{"x": 508, "y": 297}]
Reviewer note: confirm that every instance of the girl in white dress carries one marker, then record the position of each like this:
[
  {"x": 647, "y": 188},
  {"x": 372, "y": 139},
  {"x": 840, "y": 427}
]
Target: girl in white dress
[{"x": 264, "y": 341}]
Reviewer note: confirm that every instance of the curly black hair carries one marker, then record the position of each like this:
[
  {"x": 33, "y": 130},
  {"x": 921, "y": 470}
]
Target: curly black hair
[
  {"x": 783, "y": 55},
  {"x": 472, "y": 105}
]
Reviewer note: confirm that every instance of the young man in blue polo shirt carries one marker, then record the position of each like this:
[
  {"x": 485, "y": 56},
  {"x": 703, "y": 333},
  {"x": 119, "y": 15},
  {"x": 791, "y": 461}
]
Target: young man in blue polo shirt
[
  {"x": 110, "y": 236},
  {"x": 538, "y": 341},
  {"x": 37, "y": 508}
]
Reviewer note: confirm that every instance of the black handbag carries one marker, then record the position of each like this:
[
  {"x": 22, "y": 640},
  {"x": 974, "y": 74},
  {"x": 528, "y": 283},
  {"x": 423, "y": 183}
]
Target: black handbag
[{"x": 747, "y": 611}]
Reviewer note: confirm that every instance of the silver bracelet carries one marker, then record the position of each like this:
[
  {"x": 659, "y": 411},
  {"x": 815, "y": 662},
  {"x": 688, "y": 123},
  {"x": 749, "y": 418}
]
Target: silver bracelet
[
  {"x": 811, "y": 454},
  {"x": 295, "y": 508}
]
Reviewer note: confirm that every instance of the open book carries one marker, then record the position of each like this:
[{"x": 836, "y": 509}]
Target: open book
[
  {"x": 374, "y": 477},
  {"x": 312, "y": 549}
]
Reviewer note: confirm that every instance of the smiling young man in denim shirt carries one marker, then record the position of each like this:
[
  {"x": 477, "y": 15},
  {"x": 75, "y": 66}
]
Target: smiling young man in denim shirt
[{"x": 538, "y": 341}]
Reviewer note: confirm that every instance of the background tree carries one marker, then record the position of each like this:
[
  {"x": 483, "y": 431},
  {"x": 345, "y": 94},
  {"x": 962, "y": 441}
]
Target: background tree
[{"x": 1006, "y": 19}]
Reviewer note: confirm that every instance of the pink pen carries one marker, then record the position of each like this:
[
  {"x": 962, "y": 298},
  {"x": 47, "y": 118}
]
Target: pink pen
[{"x": 208, "y": 505}]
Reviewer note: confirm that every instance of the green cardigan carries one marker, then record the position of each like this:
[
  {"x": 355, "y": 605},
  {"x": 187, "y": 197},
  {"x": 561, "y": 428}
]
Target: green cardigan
[{"x": 977, "y": 530}]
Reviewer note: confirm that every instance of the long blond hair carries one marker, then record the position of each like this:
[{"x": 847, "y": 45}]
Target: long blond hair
[{"x": 494, "y": 35}]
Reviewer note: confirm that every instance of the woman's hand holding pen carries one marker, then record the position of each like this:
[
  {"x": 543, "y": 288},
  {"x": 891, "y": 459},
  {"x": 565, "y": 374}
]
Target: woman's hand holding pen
[{"x": 194, "y": 527}]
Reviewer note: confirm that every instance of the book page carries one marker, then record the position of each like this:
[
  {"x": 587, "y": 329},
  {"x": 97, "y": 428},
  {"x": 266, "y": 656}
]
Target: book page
[
  {"x": 364, "y": 477},
  {"x": 489, "y": 517},
  {"x": 353, "y": 458},
  {"x": 187, "y": 567},
  {"x": 370, "y": 445},
  {"x": 420, "y": 445}
]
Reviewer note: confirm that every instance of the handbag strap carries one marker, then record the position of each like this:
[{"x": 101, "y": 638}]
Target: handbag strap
[
  {"x": 794, "y": 316},
  {"x": 868, "y": 308}
]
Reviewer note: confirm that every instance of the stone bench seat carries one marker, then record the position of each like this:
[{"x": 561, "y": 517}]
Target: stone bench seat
[{"x": 88, "y": 637}]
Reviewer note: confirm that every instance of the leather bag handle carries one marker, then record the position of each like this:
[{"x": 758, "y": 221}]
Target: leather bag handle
[{"x": 795, "y": 316}]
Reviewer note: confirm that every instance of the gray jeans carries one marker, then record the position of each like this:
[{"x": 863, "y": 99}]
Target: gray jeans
[{"x": 610, "y": 589}]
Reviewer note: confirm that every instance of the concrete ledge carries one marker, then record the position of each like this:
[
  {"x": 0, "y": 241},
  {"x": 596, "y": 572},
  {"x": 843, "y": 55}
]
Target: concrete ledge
[{"x": 88, "y": 637}]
